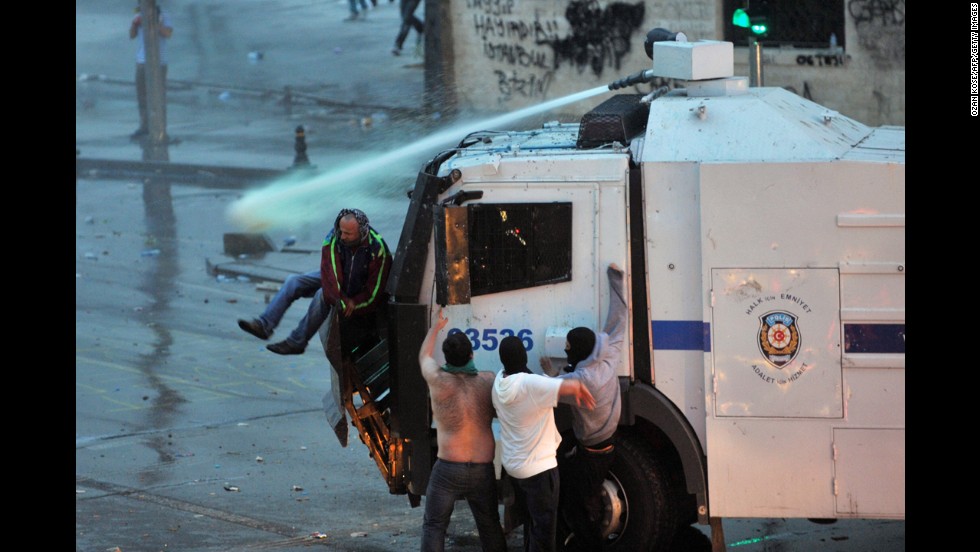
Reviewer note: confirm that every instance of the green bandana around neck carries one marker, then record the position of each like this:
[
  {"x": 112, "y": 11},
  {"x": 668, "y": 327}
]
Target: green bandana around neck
[{"x": 468, "y": 368}]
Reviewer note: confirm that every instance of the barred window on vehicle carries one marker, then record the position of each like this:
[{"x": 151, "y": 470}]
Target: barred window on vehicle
[{"x": 519, "y": 245}]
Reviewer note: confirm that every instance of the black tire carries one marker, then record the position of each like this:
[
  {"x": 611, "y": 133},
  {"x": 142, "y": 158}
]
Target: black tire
[{"x": 640, "y": 515}]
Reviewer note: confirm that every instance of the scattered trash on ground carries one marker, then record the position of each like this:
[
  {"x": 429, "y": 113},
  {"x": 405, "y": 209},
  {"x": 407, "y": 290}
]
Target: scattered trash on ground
[
  {"x": 259, "y": 459},
  {"x": 318, "y": 535},
  {"x": 232, "y": 489},
  {"x": 150, "y": 253},
  {"x": 358, "y": 534},
  {"x": 297, "y": 488}
]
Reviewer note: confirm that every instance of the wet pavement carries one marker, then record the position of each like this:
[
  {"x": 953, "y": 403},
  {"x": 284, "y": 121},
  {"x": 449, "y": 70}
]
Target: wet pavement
[{"x": 190, "y": 435}]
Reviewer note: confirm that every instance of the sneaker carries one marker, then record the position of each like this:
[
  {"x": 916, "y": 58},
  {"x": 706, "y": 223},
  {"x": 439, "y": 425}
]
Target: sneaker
[
  {"x": 254, "y": 327},
  {"x": 284, "y": 347},
  {"x": 396, "y": 51},
  {"x": 351, "y": 17}
]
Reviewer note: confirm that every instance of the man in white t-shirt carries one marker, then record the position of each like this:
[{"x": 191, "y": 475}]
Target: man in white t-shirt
[{"x": 525, "y": 404}]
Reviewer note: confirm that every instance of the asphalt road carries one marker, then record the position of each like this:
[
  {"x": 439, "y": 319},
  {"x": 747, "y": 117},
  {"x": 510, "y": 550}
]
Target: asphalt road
[{"x": 189, "y": 435}]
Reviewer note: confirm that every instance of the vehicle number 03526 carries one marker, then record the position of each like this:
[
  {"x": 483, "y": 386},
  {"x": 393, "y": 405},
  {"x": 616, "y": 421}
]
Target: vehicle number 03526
[{"x": 489, "y": 338}]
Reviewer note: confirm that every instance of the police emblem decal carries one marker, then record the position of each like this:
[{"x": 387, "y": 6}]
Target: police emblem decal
[{"x": 779, "y": 338}]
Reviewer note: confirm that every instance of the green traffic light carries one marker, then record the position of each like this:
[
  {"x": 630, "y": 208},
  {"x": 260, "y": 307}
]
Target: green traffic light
[
  {"x": 760, "y": 28},
  {"x": 740, "y": 18}
]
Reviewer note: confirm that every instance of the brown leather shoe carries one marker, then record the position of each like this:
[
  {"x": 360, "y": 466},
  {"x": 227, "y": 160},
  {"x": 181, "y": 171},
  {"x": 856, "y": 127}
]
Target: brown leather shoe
[
  {"x": 254, "y": 327},
  {"x": 284, "y": 347}
]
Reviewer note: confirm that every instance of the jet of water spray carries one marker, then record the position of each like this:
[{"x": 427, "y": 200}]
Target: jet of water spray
[{"x": 298, "y": 199}]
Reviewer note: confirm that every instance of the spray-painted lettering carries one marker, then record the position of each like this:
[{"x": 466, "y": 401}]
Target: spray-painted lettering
[
  {"x": 515, "y": 54},
  {"x": 821, "y": 60},
  {"x": 532, "y": 86},
  {"x": 493, "y": 7},
  {"x": 499, "y": 27}
]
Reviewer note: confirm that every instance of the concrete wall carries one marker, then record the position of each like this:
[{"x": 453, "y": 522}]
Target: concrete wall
[{"x": 510, "y": 54}]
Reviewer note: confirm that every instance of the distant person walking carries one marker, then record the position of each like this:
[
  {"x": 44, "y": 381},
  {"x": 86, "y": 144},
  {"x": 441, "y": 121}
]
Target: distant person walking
[
  {"x": 355, "y": 12},
  {"x": 166, "y": 30},
  {"x": 409, "y": 21}
]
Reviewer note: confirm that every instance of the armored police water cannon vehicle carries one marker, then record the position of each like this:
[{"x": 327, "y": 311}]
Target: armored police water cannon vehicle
[{"x": 763, "y": 239}]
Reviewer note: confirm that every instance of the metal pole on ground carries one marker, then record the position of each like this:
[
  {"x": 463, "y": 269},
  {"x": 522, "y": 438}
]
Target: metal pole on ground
[
  {"x": 155, "y": 148},
  {"x": 755, "y": 63}
]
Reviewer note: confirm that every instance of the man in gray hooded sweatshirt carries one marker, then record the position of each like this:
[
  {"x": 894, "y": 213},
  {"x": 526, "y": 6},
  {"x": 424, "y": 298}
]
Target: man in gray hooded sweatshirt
[{"x": 593, "y": 360}]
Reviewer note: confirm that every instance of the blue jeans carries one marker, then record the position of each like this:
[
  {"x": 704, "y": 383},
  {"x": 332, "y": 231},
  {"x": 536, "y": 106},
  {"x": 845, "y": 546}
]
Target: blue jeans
[
  {"x": 452, "y": 481},
  {"x": 296, "y": 286},
  {"x": 353, "y": 5},
  {"x": 539, "y": 495}
]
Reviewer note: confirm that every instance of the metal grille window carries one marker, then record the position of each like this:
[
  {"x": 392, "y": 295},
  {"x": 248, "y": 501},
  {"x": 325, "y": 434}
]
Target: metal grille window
[
  {"x": 874, "y": 338},
  {"x": 796, "y": 23},
  {"x": 519, "y": 245}
]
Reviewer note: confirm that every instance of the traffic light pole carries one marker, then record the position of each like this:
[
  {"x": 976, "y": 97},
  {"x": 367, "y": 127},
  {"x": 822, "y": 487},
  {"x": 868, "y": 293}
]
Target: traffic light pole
[{"x": 755, "y": 63}]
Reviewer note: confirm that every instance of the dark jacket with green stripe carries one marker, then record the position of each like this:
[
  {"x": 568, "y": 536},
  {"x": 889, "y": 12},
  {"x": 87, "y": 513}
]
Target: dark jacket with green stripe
[{"x": 356, "y": 274}]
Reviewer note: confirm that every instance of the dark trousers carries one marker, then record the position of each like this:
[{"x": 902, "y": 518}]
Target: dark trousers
[
  {"x": 584, "y": 472},
  {"x": 539, "y": 495},
  {"x": 452, "y": 481},
  {"x": 409, "y": 21}
]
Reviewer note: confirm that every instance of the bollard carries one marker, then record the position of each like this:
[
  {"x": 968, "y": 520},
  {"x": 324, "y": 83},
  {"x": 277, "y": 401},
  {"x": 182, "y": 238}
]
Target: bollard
[{"x": 301, "y": 160}]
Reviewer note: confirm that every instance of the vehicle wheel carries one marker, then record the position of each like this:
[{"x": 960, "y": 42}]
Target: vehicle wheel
[{"x": 639, "y": 514}]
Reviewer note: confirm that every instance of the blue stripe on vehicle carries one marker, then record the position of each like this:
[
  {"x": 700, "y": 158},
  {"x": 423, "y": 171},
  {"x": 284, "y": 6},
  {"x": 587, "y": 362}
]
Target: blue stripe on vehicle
[{"x": 681, "y": 335}]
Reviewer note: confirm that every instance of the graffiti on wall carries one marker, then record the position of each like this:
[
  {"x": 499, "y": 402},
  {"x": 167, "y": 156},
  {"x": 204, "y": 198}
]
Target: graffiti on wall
[
  {"x": 512, "y": 43},
  {"x": 600, "y": 36},
  {"x": 527, "y": 48},
  {"x": 880, "y": 26},
  {"x": 821, "y": 60},
  {"x": 877, "y": 12}
]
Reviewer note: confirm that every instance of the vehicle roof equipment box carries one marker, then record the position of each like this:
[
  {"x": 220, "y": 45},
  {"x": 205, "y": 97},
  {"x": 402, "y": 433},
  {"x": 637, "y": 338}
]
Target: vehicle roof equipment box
[{"x": 618, "y": 119}]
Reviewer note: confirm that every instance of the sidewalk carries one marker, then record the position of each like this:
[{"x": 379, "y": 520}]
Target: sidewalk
[{"x": 243, "y": 75}]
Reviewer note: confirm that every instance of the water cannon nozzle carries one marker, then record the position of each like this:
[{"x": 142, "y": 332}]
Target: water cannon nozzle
[
  {"x": 660, "y": 35},
  {"x": 636, "y": 78}
]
